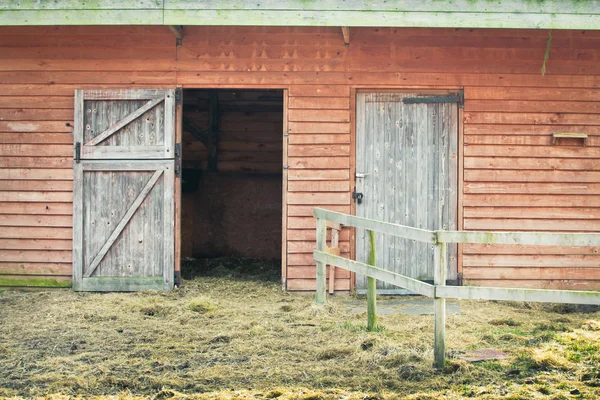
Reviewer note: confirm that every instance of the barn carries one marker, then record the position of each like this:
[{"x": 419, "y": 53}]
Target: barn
[{"x": 136, "y": 133}]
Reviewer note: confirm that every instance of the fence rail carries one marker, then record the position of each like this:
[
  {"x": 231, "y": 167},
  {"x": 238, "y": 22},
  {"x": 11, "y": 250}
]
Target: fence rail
[{"x": 439, "y": 291}]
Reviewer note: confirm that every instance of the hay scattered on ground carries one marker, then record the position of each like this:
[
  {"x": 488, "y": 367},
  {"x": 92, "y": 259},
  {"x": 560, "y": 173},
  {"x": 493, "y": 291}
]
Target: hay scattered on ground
[{"x": 238, "y": 336}]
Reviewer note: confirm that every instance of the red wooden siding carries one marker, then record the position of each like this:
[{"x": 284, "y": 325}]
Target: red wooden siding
[{"x": 513, "y": 177}]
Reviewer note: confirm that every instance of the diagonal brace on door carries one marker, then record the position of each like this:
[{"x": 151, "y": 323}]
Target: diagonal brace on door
[
  {"x": 122, "y": 224},
  {"x": 124, "y": 122}
]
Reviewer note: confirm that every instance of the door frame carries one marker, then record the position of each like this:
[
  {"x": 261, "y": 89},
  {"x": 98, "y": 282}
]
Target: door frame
[
  {"x": 284, "y": 183},
  {"x": 354, "y": 90}
]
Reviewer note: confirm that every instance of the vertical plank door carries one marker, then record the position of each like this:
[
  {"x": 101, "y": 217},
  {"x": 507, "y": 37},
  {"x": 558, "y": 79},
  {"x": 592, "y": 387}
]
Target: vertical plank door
[
  {"x": 123, "y": 210},
  {"x": 406, "y": 169}
]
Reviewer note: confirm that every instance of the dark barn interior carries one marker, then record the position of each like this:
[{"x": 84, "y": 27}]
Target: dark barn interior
[{"x": 232, "y": 174}]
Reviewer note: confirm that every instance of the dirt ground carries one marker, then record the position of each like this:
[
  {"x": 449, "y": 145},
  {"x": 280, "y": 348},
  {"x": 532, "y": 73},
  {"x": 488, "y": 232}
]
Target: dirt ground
[{"x": 230, "y": 334}]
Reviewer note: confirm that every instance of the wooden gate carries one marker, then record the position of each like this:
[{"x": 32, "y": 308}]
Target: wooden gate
[
  {"x": 123, "y": 210},
  {"x": 406, "y": 171}
]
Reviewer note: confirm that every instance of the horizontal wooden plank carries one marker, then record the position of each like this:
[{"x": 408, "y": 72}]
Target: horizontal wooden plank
[
  {"x": 318, "y": 174},
  {"x": 319, "y": 91},
  {"x": 34, "y": 268},
  {"x": 536, "y": 106},
  {"x": 525, "y": 238},
  {"x": 592, "y": 141},
  {"x": 531, "y": 188},
  {"x": 48, "y": 138},
  {"x": 315, "y": 186},
  {"x": 321, "y": 138},
  {"x": 523, "y": 293},
  {"x": 556, "y": 225},
  {"x": 531, "y": 151},
  {"x": 45, "y": 256},
  {"x": 36, "y": 281},
  {"x": 35, "y": 244},
  {"x": 36, "y": 233},
  {"x": 531, "y": 273},
  {"x": 527, "y": 129},
  {"x": 315, "y": 198},
  {"x": 36, "y": 114},
  {"x": 533, "y": 93},
  {"x": 308, "y": 285},
  {"x": 552, "y": 261},
  {"x": 521, "y": 163},
  {"x": 32, "y": 208},
  {"x": 35, "y": 220},
  {"x": 35, "y": 126},
  {"x": 540, "y": 118},
  {"x": 319, "y": 103},
  {"x": 318, "y": 127},
  {"x": 159, "y": 78},
  {"x": 532, "y": 200},
  {"x": 309, "y": 272},
  {"x": 35, "y": 185},
  {"x": 308, "y": 247},
  {"x": 316, "y": 150},
  {"x": 311, "y": 235},
  {"x": 558, "y": 213},
  {"x": 35, "y": 101},
  {"x": 486, "y": 175},
  {"x": 57, "y": 197},
  {"x": 318, "y": 162},
  {"x": 548, "y": 284},
  {"x": 303, "y": 115},
  {"x": 21, "y": 174},
  {"x": 470, "y": 248},
  {"x": 21, "y": 150},
  {"x": 308, "y": 211}
]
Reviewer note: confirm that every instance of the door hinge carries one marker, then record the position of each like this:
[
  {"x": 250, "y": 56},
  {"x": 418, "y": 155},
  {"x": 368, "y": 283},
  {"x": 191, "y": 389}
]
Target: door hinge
[
  {"x": 77, "y": 156},
  {"x": 178, "y": 96},
  {"x": 458, "y": 98},
  {"x": 177, "y": 159}
]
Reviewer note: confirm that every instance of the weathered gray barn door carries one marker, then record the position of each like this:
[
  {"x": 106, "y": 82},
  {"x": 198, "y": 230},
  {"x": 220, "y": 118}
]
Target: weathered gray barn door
[
  {"x": 123, "y": 211},
  {"x": 406, "y": 170}
]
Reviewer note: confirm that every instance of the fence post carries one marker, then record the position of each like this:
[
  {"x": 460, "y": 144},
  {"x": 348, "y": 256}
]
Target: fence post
[
  {"x": 439, "y": 306},
  {"x": 372, "y": 288},
  {"x": 321, "y": 267}
]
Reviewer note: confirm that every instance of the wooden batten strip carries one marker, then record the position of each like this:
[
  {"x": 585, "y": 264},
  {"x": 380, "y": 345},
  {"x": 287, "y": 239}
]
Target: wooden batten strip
[
  {"x": 124, "y": 221},
  {"x": 122, "y": 123}
]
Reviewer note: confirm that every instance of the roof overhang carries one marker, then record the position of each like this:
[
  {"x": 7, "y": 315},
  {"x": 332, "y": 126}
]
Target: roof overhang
[{"x": 516, "y": 14}]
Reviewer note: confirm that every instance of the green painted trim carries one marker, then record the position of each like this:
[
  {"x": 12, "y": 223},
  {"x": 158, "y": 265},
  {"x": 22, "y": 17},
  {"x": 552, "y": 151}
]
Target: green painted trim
[
  {"x": 518, "y": 14},
  {"x": 81, "y": 17},
  {"x": 36, "y": 282}
]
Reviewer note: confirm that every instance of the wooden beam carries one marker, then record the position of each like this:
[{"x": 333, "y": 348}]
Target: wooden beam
[
  {"x": 213, "y": 130},
  {"x": 189, "y": 126},
  {"x": 178, "y": 32},
  {"x": 346, "y": 35}
]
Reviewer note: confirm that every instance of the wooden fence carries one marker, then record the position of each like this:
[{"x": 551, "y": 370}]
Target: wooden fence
[{"x": 439, "y": 291}]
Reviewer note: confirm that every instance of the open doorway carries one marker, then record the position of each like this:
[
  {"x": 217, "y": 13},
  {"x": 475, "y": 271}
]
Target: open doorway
[{"x": 231, "y": 215}]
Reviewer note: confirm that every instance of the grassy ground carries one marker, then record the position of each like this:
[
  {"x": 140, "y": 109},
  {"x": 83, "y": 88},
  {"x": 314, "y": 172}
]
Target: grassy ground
[{"x": 230, "y": 335}]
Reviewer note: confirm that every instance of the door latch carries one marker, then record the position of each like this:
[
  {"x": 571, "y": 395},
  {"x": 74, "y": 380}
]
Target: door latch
[{"x": 357, "y": 196}]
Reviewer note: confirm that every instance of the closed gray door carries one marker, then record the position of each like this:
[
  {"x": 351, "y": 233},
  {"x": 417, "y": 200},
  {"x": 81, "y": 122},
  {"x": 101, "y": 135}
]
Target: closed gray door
[
  {"x": 123, "y": 190},
  {"x": 406, "y": 169}
]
